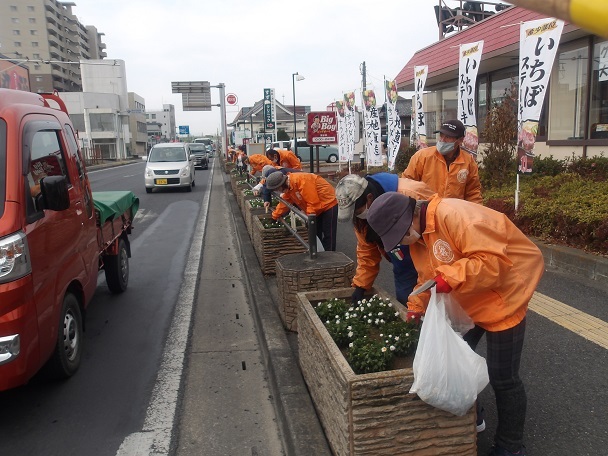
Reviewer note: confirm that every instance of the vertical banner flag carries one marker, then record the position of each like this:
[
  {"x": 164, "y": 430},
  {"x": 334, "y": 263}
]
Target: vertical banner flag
[
  {"x": 413, "y": 121},
  {"x": 372, "y": 129},
  {"x": 349, "y": 114},
  {"x": 342, "y": 146},
  {"x": 470, "y": 57},
  {"x": 393, "y": 123},
  {"x": 538, "y": 44},
  {"x": 420, "y": 74},
  {"x": 269, "y": 103},
  {"x": 603, "y": 67}
]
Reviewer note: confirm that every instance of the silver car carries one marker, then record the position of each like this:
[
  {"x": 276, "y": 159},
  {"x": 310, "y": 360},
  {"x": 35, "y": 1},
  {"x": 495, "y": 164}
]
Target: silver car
[{"x": 169, "y": 165}]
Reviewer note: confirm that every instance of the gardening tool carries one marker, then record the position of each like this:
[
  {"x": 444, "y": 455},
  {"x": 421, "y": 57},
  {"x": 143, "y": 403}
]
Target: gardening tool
[{"x": 425, "y": 286}]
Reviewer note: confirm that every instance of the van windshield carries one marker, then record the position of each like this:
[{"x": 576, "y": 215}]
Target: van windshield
[
  {"x": 167, "y": 154},
  {"x": 2, "y": 165}
]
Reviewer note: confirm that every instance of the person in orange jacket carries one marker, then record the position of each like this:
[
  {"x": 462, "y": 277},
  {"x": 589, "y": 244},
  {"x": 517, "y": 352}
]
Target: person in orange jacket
[
  {"x": 355, "y": 194},
  {"x": 284, "y": 158},
  {"x": 313, "y": 195},
  {"x": 490, "y": 267},
  {"x": 445, "y": 167},
  {"x": 258, "y": 161}
]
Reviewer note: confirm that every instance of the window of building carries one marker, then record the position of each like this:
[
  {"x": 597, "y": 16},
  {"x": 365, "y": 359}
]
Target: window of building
[
  {"x": 36, "y": 67},
  {"x": 36, "y": 56},
  {"x": 31, "y": 9},
  {"x": 598, "y": 109},
  {"x": 78, "y": 121},
  {"x": 13, "y": 8},
  {"x": 32, "y": 20},
  {"x": 35, "y": 44},
  {"x": 102, "y": 122},
  {"x": 569, "y": 89},
  {"x": 33, "y": 32},
  {"x": 16, "y": 32},
  {"x": 18, "y": 44},
  {"x": 440, "y": 105},
  {"x": 154, "y": 116},
  {"x": 38, "y": 78},
  {"x": 15, "y": 20},
  {"x": 482, "y": 103}
]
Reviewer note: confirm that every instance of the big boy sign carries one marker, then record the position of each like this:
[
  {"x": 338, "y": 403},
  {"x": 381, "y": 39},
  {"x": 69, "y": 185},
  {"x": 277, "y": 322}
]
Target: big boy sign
[{"x": 322, "y": 127}]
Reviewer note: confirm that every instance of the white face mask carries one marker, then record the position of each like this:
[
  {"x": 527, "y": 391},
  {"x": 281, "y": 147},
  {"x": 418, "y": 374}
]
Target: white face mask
[
  {"x": 445, "y": 148},
  {"x": 363, "y": 215},
  {"x": 411, "y": 237}
]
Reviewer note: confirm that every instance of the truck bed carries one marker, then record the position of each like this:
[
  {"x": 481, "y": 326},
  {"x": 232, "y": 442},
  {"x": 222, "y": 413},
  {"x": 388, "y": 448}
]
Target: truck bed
[{"x": 114, "y": 212}]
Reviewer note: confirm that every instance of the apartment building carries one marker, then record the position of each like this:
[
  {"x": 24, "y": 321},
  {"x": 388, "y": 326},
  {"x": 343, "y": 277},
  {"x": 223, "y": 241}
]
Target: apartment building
[
  {"x": 48, "y": 33},
  {"x": 161, "y": 124}
]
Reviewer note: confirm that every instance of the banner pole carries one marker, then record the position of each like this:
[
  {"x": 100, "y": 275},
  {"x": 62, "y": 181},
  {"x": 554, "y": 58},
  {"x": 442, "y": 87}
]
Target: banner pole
[{"x": 517, "y": 194}]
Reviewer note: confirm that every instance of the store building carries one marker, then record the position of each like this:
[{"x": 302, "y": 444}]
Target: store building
[{"x": 574, "y": 117}]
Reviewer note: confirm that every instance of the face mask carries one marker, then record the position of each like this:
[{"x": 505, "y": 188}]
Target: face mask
[
  {"x": 410, "y": 238},
  {"x": 363, "y": 215},
  {"x": 445, "y": 148}
]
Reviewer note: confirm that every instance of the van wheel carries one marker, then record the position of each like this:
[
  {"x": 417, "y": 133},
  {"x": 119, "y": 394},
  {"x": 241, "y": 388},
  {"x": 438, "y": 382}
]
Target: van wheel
[
  {"x": 333, "y": 158},
  {"x": 68, "y": 350},
  {"x": 117, "y": 269},
  {"x": 148, "y": 190}
]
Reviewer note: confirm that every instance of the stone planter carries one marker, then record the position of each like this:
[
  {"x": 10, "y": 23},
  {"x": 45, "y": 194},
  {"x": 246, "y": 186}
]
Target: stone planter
[
  {"x": 270, "y": 244},
  {"x": 372, "y": 414},
  {"x": 298, "y": 273},
  {"x": 243, "y": 198},
  {"x": 250, "y": 212},
  {"x": 236, "y": 188}
]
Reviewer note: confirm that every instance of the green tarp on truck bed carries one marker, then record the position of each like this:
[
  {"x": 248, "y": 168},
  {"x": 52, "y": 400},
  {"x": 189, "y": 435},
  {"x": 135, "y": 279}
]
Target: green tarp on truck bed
[{"x": 112, "y": 204}]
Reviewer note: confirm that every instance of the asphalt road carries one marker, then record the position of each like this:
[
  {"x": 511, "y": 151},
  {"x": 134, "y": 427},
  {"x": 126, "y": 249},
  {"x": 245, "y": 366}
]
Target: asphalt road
[{"x": 107, "y": 399}]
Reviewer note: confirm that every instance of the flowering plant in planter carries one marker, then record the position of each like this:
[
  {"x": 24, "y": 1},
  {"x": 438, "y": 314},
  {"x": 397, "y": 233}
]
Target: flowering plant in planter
[
  {"x": 259, "y": 202},
  {"x": 269, "y": 223},
  {"x": 371, "y": 334}
]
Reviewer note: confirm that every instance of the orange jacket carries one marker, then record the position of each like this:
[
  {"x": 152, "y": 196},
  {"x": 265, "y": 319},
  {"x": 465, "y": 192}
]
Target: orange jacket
[
  {"x": 258, "y": 161},
  {"x": 492, "y": 267},
  {"x": 460, "y": 181},
  {"x": 311, "y": 193},
  {"x": 369, "y": 254},
  {"x": 287, "y": 159}
]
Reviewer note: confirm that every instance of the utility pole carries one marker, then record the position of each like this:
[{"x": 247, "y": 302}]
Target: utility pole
[{"x": 364, "y": 85}]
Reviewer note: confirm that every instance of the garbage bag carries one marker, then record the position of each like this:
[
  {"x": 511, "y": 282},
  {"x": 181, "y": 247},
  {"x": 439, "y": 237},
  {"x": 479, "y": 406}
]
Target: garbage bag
[{"x": 448, "y": 374}]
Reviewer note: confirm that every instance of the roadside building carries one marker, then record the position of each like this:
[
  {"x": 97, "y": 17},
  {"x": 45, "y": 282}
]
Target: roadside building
[{"x": 575, "y": 112}]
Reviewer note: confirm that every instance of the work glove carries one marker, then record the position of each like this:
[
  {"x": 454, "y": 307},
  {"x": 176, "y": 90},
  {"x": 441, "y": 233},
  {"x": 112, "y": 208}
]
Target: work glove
[
  {"x": 357, "y": 295},
  {"x": 442, "y": 286},
  {"x": 414, "y": 317}
]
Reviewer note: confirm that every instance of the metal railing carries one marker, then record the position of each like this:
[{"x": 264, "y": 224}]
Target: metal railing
[{"x": 310, "y": 220}]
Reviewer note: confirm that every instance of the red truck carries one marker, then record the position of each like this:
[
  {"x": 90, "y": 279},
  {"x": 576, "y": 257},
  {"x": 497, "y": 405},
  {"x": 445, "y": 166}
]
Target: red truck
[{"x": 55, "y": 237}]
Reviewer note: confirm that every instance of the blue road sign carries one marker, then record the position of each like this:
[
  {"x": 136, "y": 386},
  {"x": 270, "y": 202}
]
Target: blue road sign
[{"x": 184, "y": 130}]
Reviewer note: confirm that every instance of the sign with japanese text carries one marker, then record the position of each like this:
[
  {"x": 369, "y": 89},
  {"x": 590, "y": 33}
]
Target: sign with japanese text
[
  {"x": 321, "y": 127},
  {"x": 470, "y": 57},
  {"x": 269, "y": 123},
  {"x": 420, "y": 74},
  {"x": 349, "y": 114},
  {"x": 342, "y": 147},
  {"x": 603, "y": 64},
  {"x": 538, "y": 45},
  {"x": 184, "y": 129},
  {"x": 393, "y": 123},
  {"x": 371, "y": 121}
]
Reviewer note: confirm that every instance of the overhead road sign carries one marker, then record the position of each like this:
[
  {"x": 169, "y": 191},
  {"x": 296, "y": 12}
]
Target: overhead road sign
[{"x": 196, "y": 95}]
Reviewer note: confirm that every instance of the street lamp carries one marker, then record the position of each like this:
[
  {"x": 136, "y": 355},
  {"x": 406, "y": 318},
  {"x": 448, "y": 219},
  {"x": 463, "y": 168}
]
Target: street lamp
[{"x": 295, "y": 77}]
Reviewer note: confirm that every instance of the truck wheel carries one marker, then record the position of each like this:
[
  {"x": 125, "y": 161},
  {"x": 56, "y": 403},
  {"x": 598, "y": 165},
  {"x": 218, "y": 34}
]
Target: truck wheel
[
  {"x": 333, "y": 158},
  {"x": 68, "y": 350},
  {"x": 148, "y": 190},
  {"x": 117, "y": 269}
]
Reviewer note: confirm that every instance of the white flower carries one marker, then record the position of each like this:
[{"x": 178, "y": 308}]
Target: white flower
[
  {"x": 350, "y": 309},
  {"x": 396, "y": 314},
  {"x": 337, "y": 322},
  {"x": 387, "y": 342},
  {"x": 349, "y": 327},
  {"x": 369, "y": 304},
  {"x": 364, "y": 301},
  {"x": 327, "y": 322},
  {"x": 337, "y": 316},
  {"x": 329, "y": 306},
  {"x": 369, "y": 321},
  {"x": 390, "y": 304},
  {"x": 377, "y": 321},
  {"x": 381, "y": 321},
  {"x": 383, "y": 349},
  {"x": 407, "y": 334},
  {"x": 397, "y": 337},
  {"x": 350, "y": 334},
  {"x": 392, "y": 347},
  {"x": 350, "y": 345},
  {"x": 381, "y": 335},
  {"x": 380, "y": 314}
]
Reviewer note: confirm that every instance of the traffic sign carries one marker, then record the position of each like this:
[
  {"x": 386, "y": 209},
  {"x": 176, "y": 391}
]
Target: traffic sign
[
  {"x": 231, "y": 99},
  {"x": 184, "y": 129}
]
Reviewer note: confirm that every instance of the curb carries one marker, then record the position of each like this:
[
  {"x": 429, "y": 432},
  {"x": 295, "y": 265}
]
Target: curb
[
  {"x": 574, "y": 261},
  {"x": 301, "y": 431}
]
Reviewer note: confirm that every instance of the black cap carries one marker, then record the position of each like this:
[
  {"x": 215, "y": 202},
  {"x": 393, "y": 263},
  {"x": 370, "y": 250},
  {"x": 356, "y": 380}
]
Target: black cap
[{"x": 453, "y": 128}]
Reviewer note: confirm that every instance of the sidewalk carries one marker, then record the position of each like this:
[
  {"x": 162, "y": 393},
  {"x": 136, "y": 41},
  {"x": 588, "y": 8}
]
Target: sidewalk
[{"x": 243, "y": 390}]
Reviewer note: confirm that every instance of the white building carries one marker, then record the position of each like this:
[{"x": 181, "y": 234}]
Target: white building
[{"x": 166, "y": 119}]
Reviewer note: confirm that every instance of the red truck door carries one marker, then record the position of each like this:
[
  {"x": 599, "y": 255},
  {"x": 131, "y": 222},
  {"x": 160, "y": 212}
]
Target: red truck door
[{"x": 53, "y": 237}]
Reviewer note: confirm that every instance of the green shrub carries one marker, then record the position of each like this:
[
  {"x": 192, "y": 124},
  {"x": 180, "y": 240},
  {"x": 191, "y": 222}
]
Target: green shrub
[
  {"x": 403, "y": 156},
  {"x": 548, "y": 166},
  {"x": 594, "y": 168}
]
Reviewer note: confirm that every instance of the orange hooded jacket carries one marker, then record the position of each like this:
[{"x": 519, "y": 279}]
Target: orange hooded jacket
[
  {"x": 287, "y": 159},
  {"x": 369, "y": 254},
  {"x": 461, "y": 180},
  {"x": 311, "y": 193},
  {"x": 492, "y": 267},
  {"x": 258, "y": 161}
]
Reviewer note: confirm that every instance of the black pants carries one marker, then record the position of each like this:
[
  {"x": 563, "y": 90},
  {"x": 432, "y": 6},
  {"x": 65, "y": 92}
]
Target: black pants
[
  {"x": 504, "y": 355},
  {"x": 327, "y": 227}
]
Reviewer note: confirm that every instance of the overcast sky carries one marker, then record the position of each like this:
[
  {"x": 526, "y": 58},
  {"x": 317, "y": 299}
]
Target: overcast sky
[{"x": 250, "y": 45}]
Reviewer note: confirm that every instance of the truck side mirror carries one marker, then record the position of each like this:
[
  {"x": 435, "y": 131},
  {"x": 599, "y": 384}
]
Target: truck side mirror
[{"x": 54, "y": 194}]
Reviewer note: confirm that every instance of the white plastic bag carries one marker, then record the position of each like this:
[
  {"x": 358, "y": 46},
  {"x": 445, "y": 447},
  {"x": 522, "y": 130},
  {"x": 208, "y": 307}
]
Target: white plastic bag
[
  {"x": 459, "y": 319},
  {"x": 448, "y": 374}
]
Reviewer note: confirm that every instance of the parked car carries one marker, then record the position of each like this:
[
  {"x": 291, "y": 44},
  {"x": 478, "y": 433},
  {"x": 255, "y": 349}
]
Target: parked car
[
  {"x": 201, "y": 155},
  {"x": 169, "y": 165},
  {"x": 327, "y": 154}
]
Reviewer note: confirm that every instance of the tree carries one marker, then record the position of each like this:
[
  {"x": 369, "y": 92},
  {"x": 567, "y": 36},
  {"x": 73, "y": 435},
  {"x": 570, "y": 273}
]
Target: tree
[{"x": 282, "y": 135}]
